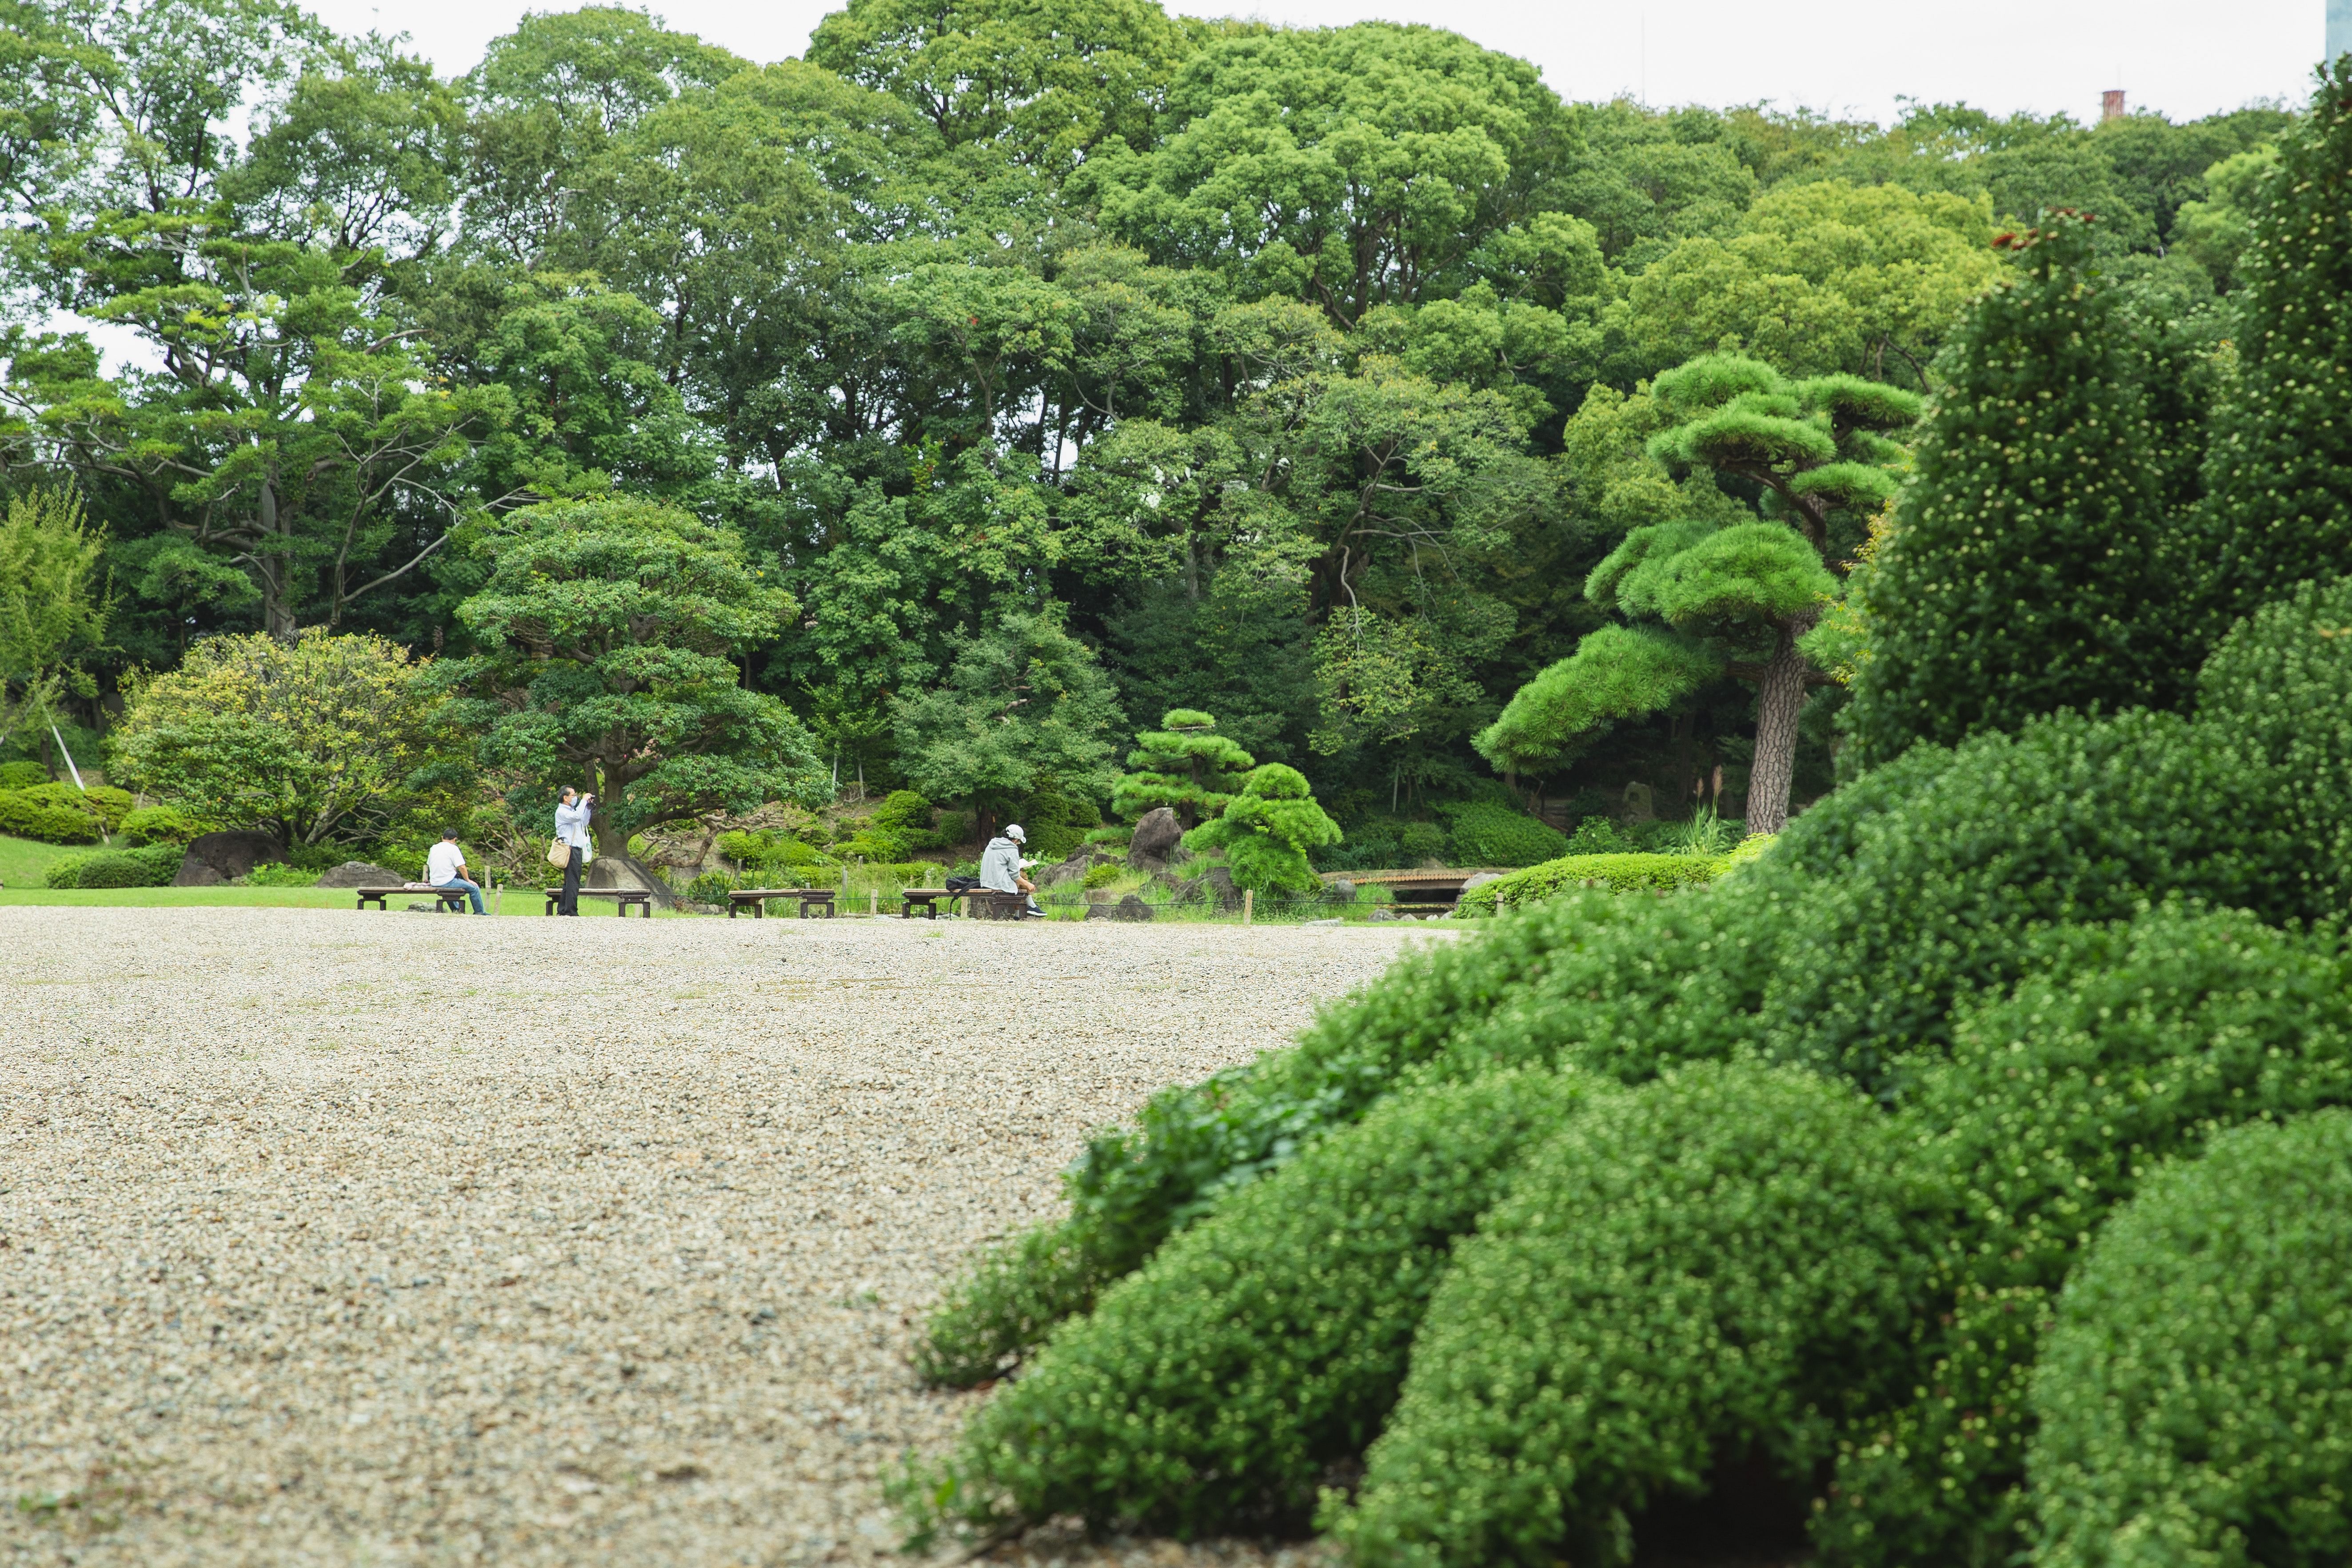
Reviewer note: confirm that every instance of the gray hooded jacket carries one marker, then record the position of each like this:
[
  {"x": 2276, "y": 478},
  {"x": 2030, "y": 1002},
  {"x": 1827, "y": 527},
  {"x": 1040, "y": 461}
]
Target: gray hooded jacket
[{"x": 1000, "y": 865}]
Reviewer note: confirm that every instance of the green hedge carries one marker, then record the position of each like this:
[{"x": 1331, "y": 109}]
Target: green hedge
[
  {"x": 152, "y": 866},
  {"x": 2196, "y": 1399},
  {"x": 2129, "y": 1044},
  {"x": 1716, "y": 1266},
  {"x": 25, "y": 814},
  {"x": 1618, "y": 873},
  {"x": 1487, "y": 833},
  {"x": 23, "y": 775},
  {"x": 1211, "y": 1390},
  {"x": 159, "y": 825}
]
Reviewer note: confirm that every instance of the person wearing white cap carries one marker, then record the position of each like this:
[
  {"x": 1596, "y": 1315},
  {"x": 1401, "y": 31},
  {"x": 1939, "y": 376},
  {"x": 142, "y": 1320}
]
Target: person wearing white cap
[{"x": 1000, "y": 865}]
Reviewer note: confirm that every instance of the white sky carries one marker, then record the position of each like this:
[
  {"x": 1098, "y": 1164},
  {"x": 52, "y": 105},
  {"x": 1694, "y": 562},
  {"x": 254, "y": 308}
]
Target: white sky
[{"x": 1848, "y": 56}]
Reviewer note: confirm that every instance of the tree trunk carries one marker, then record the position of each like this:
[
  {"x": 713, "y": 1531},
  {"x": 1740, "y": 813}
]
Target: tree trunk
[
  {"x": 1779, "y": 699},
  {"x": 277, "y": 613}
]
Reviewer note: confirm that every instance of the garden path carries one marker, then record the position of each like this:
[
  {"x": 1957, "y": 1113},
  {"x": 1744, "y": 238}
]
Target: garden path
[{"x": 338, "y": 1238}]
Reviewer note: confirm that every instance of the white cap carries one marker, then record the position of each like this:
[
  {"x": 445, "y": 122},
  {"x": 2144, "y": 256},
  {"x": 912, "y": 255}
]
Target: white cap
[{"x": 1013, "y": 831}]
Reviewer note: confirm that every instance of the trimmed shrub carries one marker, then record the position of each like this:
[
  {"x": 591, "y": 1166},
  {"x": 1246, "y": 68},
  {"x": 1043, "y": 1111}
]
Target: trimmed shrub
[
  {"x": 102, "y": 804},
  {"x": 278, "y": 874},
  {"x": 711, "y": 888},
  {"x": 2196, "y": 1399},
  {"x": 22, "y": 816},
  {"x": 1618, "y": 873},
  {"x": 1721, "y": 1266},
  {"x": 159, "y": 824},
  {"x": 1486, "y": 833},
  {"x": 2128, "y": 1044},
  {"x": 152, "y": 866},
  {"x": 1266, "y": 830},
  {"x": 23, "y": 775},
  {"x": 1211, "y": 1390},
  {"x": 1102, "y": 875}
]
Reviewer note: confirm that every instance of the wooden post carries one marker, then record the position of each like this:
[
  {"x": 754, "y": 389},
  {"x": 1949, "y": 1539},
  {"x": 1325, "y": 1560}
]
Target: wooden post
[
  {"x": 874, "y": 903},
  {"x": 1249, "y": 900},
  {"x": 498, "y": 897}
]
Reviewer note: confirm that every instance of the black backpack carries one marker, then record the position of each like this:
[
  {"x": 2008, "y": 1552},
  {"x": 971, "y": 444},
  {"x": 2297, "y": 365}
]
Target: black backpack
[{"x": 962, "y": 884}]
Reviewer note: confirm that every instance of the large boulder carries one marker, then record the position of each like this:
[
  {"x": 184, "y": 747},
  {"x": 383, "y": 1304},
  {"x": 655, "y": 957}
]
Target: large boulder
[
  {"x": 623, "y": 872},
  {"x": 1214, "y": 886},
  {"x": 1159, "y": 839},
  {"x": 1074, "y": 869},
  {"x": 1129, "y": 908},
  {"x": 217, "y": 858},
  {"x": 362, "y": 874}
]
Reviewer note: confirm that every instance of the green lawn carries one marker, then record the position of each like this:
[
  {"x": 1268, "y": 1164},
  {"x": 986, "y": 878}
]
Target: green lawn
[{"x": 22, "y": 861}]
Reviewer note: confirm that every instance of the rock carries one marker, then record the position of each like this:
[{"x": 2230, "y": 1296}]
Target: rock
[
  {"x": 1333, "y": 921},
  {"x": 359, "y": 874},
  {"x": 1074, "y": 869},
  {"x": 620, "y": 871},
  {"x": 1481, "y": 879},
  {"x": 1385, "y": 913},
  {"x": 1339, "y": 887},
  {"x": 1158, "y": 839},
  {"x": 1217, "y": 881},
  {"x": 217, "y": 858},
  {"x": 1129, "y": 908}
]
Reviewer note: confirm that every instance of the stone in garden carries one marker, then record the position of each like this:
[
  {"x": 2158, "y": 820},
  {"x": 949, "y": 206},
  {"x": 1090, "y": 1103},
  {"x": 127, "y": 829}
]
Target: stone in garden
[
  {"x": 1216, "y": 884},
  {"x": 1074, "y": 869},
  {"x": 1129, "y": 908},
  {"x": 620, "y": 872},
  {"x": 1339, "y": 887},
  {"x": 1159, "y": 837},
  {"x": 359, "y": 874},
  {"x": 1481, "y": 879},
  {"x": 217, "y": 857}
]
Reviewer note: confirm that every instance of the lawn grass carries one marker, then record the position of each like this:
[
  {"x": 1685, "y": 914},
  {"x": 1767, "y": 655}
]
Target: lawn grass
[{"x": 22, "y": 860}]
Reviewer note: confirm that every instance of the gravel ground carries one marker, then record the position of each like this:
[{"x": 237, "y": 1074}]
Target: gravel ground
[{"x": 338, "y": 1239}]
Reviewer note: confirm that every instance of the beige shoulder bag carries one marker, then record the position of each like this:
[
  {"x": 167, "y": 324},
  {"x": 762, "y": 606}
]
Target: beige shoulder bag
[{"x": 559, "y": 854}]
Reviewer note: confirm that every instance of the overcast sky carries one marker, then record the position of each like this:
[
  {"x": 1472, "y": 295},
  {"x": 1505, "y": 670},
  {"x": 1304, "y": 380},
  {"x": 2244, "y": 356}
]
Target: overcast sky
[{"x": 1848, "y": 56}]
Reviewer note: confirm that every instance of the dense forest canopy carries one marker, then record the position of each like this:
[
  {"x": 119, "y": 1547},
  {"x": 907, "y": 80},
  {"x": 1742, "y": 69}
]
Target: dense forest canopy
[{"x": 1303, "y": 375}]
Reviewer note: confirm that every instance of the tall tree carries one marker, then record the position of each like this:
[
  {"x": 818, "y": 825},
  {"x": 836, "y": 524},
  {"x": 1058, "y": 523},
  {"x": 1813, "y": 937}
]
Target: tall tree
[
  {"x": 1737, "y": 598},
  {"x": 610, "y": 632},
  {"x": 2280, "y": 469},
  {"x": 54, "y": 604},
  {"x": 2031, "y": 564},
  {"x": 1185, "y": 765}
]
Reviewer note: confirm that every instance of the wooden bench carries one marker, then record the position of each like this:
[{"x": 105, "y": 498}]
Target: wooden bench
[
  {"x": 624, "y": 899},
  {"x": 988, "y": 904},
  {"x": 449, "y": 899},
  {"x": 926, "y": 899},
  {"x": 812, "y": 898}
]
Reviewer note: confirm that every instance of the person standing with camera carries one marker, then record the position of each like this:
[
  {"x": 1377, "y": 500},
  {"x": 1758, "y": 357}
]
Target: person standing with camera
[{"x": 571, "y": 814}]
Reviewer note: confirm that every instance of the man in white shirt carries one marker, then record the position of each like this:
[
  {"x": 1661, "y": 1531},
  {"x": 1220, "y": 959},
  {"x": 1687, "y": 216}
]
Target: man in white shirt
[{"x": 445, "y": 868}]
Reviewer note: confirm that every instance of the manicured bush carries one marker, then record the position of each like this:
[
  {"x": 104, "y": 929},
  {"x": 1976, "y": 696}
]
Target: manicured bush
[
  {"x": 1211, "y": 1390},
  {"x": 24, "y": 816},
  {"x": 1102, "y": 875},
  {"x": 159, "y": 824},
  {"x": 2126, "y": 1044},
  {"x": 1266, "y": 830},
  {"x": 102, "y": 804},
  {"x": 152, "y": 866},
  {"x": 1719, "y": 1266},
  {"x": 2196, "y": 1397},
  {"x": 278, "y": 874},
  {"x": 711, "y": 888},
  {"x": 1618, "y": 873},
  {"x": 23, "y": 775},
  {"x": 1487, "y": 833}
]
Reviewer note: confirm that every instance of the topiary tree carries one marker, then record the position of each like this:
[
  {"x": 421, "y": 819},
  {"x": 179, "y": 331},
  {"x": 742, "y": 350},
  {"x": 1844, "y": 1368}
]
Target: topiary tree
[
  {"x": 2024, "y": 570},
  {"x": 1733, "y": 599},
  {"x": 2278, "y": 472},
  {"x": 1184, "y": 766},
  {"x": 610, "y": 630},
  {"x": 2196, "y": 1398},
  {"x": 1266, "y": 830}
]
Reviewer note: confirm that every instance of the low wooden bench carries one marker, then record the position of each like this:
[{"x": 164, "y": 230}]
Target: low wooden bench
[
  {"x": 988, "y": 904},
  {"x": 449, "y": 899},
  {"x": 812, "y": 900},
  {"x": 624, "y": 899},
  {"x": 926, "y": 899}
]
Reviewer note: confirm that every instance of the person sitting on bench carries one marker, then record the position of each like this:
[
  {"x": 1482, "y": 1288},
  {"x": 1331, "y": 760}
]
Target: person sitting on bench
[
  {"x": 445, "y": 868},
  {"x": 1000, "y": 868}
]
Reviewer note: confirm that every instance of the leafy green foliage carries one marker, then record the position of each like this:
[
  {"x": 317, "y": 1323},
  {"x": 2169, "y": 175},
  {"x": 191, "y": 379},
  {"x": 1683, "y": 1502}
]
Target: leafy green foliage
[
  {"x": 53, "y": 614},
  {"x": 323, "y": 735},
  {"x": 2124, "y": 1045},
  {"x": 1488, "y": 833},
  {"x": 1025, "y": 703},
  {"x": 1184, "y": 766},
  {"x": 1213, "y": 1386},
  {"x": 2278, "y": 469},
  {"x": 1617, "y": 872},
  {"x": 2027, "y": 570},
  {"x": 1721, "y": 1266},
  {"x": 152, "y": 866},
  {"x": 2194, "y": 1403},
  {"x": 23, "y": 775},
  {"x": 1266, "y": 830},
  {"x": 278, "y": 874},
  {"x": 610, "y": 629},
  {"x": 23, "y": 816},
  {"x": 159, "y": 824}
]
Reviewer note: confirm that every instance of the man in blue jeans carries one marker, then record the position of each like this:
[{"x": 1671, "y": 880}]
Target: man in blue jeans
[{"x": 445, "y": 868}]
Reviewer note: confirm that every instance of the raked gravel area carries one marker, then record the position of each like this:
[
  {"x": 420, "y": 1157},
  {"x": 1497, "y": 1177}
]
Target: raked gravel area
[{"x": 387, "y": 1239}]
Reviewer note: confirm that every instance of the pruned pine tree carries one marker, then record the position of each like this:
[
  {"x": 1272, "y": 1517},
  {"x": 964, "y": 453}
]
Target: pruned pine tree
[
  {"x": 1184, "y": 766},
  {"x": 2026, "y": 570},
  {"x": 1266, "y": 830},
  {"x": 1702, "y": 600}
]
